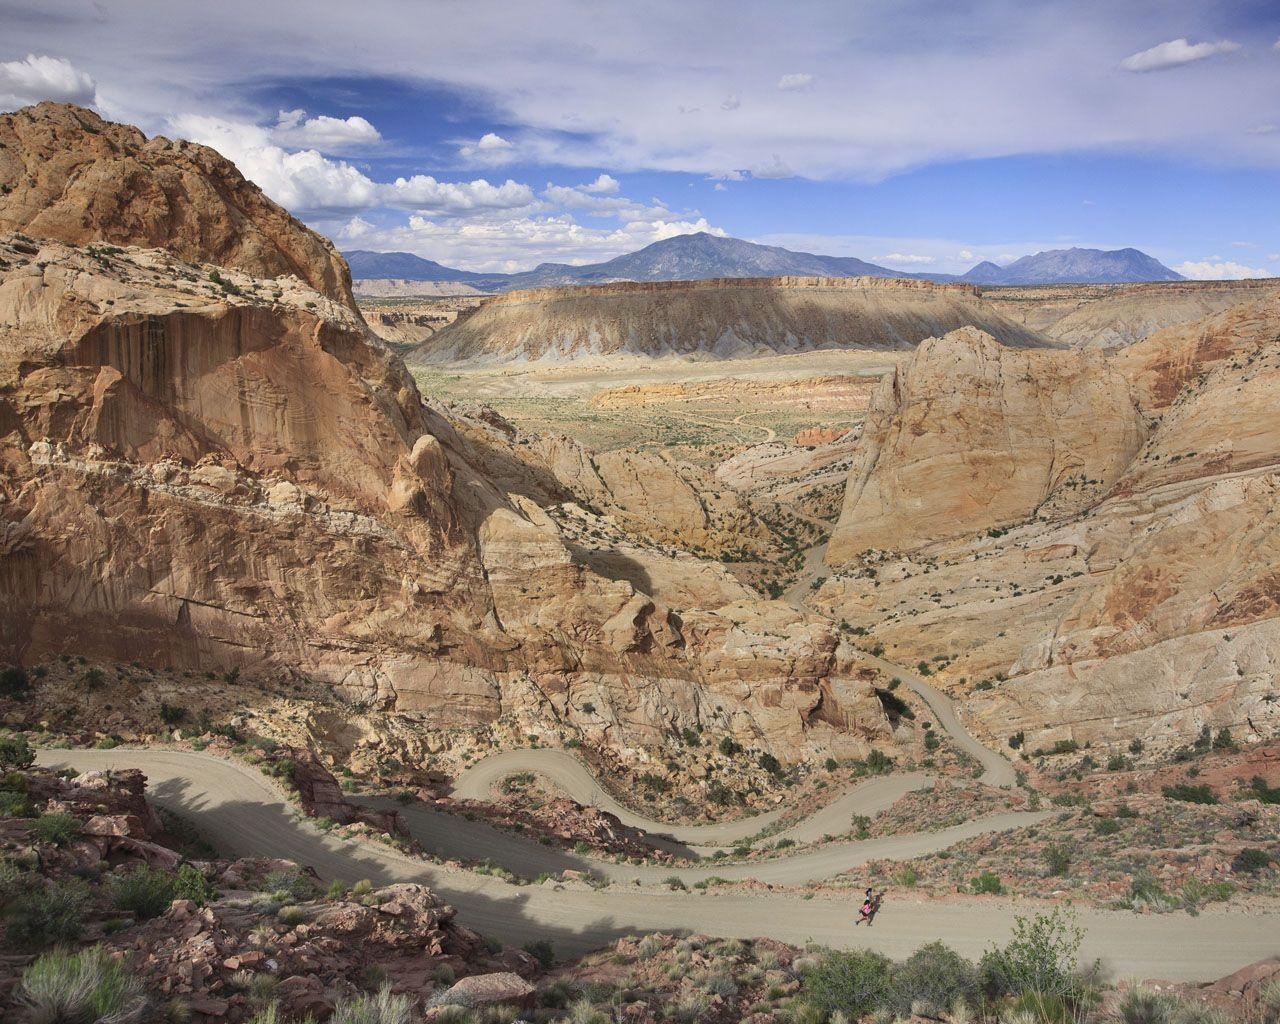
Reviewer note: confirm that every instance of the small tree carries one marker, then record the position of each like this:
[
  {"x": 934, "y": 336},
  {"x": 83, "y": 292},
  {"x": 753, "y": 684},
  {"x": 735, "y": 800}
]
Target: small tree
[
  {"x": 15, "y": 752},
  {"x": 1039, "y": 961}
]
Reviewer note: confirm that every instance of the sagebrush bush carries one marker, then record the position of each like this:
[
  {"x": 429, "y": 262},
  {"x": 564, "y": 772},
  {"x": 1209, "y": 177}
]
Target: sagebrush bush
[
  {"x": 145, "y": 891},
  {"x": 190, "y": 884},
  {"x": 1144, "y": 1006},
  {"x": 56, "y": 829},
  {"x": 292, "y": 882},
  {"x": 87, "y": 987},
  {"x": 937, "y": 976},
  {"x": 48, "y": 915},
  {"x": 15, "y": 752},
  {"x": 854, "y": 983}
]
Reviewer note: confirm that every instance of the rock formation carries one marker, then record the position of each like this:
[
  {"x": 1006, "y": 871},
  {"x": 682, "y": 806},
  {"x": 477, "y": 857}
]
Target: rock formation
[
  {"x": 68, "y": 175},
  {"x": 1141, "y": 602},
  {"x": 719, "y": 318}
]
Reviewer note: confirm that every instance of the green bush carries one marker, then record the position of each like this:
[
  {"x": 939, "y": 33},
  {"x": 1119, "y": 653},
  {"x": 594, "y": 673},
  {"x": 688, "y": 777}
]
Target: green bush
[
  {"x": 48, "y": 915},
  {"x": 542, "y": 951},
  {"x": 730, "y": 747},
  {"x": 14, "y": 682},
  {"x": 56, "y": 829},
  {"x": 15, "y": 805},
  {"x": 381, "y": 1008},
  {"x": 145, "y": 891},
  {"x": 1259, "y": 790},
  {"x": 86, "y": 987},
  {"x": 1040, "y": 960},
  {"x": 15, "y": 752},
  {"x": 1188, "y": 793},
  {"x": 172, "y": 714},
  {"x": 1251, "y": 860},
  {"x": 1058, "y": 859},
  {"x": 877, "y": 762},
  {"x": 1106, "y": 826},
  {"x": 190, "y": 884},
  {"x": 855, "y": 984},
  {"x": 988, "y": 882},
  {"x": 291, "y": 882},
  {"x": 770, "y": 764},
  {"x": 937, "y": 976}
]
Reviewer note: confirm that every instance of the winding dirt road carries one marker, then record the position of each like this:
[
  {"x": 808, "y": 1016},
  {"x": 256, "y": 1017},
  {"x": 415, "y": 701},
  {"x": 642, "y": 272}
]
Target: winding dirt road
[{"x": 245, "y": 814}]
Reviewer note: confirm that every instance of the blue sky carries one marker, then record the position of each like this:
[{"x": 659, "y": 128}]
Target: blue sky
[{"x": 497, "y": 135}]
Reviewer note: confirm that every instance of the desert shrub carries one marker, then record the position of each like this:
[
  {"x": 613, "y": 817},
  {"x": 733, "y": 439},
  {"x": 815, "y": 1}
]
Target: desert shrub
[
  {"x": 1057, "y": 859},
  {"x": 190, "y": 884},
  {"x": 56, "y": 829},
  {"x": 48, "y": 915},
  {"x": 878, "y": 761},
  {"x": 14, "y": 880},
  {"x": 14, "y": 682},
  {"x": 1106, "y": 826},
  {"x": 145, "y": 891},
  {"x": 1144, "y": 1006},
  {"x": 770, "y": 764},
  {"x": 294, "y": 883},
  {"x": 1259, "y": 790},
  {"x": 15, "y": 805},
  {"x": 86, "y": 987},
  {"x": 93, "y": 678},
  {"x": 541, "y": 950},
  {"x": 380, "y": 1008},
  {"x": 932, "y": 741},
  {"x": 894, "y": 706},
  {"x": 337, "y": 889},
  {"x": 291, "y": 916},
  {"x": 935, "y": 976},
  {"x": 1039, "y": 961},
  {"x": 172, "y": 714},
  {"x": 730, "y": 747},
  {"x": 1188, "y": 793},
  {"x": 855, "y": 983},
  {"x": 988, "y": 882},
  {"x": 15, "y": 752},
  {"x": 1251, "y": 860}
]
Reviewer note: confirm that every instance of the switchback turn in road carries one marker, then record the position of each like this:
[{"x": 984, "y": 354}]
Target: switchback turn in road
[{"x": 245, "y": 814}]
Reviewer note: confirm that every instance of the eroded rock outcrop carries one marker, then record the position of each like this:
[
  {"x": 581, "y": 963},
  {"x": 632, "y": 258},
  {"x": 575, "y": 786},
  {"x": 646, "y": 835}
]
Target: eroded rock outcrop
[
  {"x": 1149, "y": 604},
  {"x": 73, "y": 177}
]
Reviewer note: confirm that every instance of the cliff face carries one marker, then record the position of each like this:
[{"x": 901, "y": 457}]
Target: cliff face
[
  {"x": 73, "y": 177},
  {"x": 721, "y": 318},
  {"x": 1146, "y": 603},
  {"x": 205, "y": 475}
]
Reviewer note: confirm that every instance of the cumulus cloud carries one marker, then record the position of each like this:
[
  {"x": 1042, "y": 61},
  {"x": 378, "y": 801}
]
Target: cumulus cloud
[
  {"x": 605, "y": 184},
  {"x": 44, "y": 78},
  {"x": 329, "y": 134},
  {"x": 501, "y": 243},
  {"x": 908, "y": 257},
  {"x": 720, "y": 186},
  {"x": 1219, "y": 270},
  {"x": 964, "y": 254},
  {"x": 490, "y": 146},
  {"x": 1175, "y": 53},
  {"x": 790, "y": 83},
  {"x": 424, "y": 192}
]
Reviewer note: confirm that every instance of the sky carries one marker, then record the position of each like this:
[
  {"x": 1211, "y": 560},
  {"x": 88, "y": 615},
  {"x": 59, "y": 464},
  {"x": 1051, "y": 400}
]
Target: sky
[{"x": 924, "y": 136}]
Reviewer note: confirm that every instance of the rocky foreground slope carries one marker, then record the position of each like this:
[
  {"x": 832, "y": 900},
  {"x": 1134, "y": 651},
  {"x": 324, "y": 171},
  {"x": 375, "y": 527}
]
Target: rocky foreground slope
[
  {"x": 718, "y": 318},
  {"x": 1089, "y": 543}
]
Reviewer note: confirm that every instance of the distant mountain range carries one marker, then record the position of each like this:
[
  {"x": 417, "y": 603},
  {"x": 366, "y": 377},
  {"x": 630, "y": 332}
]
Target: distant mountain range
[{"x": 699, "y": 256}]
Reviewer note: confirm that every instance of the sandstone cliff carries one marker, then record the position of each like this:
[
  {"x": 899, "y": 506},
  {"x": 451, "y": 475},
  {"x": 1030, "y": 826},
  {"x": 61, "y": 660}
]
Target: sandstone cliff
[
  {"x": 1146, "y": 603},
  {"x": 232, "y": 472},
  {"x": 68, "y": 175},
  {"x": 719, "y": 318}
]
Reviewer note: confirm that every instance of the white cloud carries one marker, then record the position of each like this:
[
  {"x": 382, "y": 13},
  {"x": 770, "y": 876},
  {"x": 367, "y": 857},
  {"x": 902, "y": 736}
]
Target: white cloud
[
  {"x": 490, "y": 146},
  {"x": 329, "y": 134},
  {"x": 727, "y": 176},
  {"x": 506, "y": 244},
  {"x": 790, "y": 83},
  {"x": 605, "y": 184},
  {"x": 908, "y": 257},
  {"x": 731, "y": 102},
  {"x": 964, "y": 254},
  {"x": 720, "y": 186},
  {"x": 1224, "y": 270},
  {"x": 775, "y": 168},
  {"x": 44, "y": 78},
  {"x": 1174, "y": 54},
  {"x": 424, "y": 192}
]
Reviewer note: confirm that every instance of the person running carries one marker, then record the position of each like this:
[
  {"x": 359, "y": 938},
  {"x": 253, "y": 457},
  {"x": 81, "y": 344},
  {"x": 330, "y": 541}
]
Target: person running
[{"x": 868, "y": 908}]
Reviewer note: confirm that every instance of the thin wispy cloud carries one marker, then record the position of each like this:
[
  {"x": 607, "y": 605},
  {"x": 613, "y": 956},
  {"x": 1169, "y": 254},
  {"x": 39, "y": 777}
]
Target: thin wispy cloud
[
  {"x": 790, "y": 83},
  {"x": 1175, "y": 53}
]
